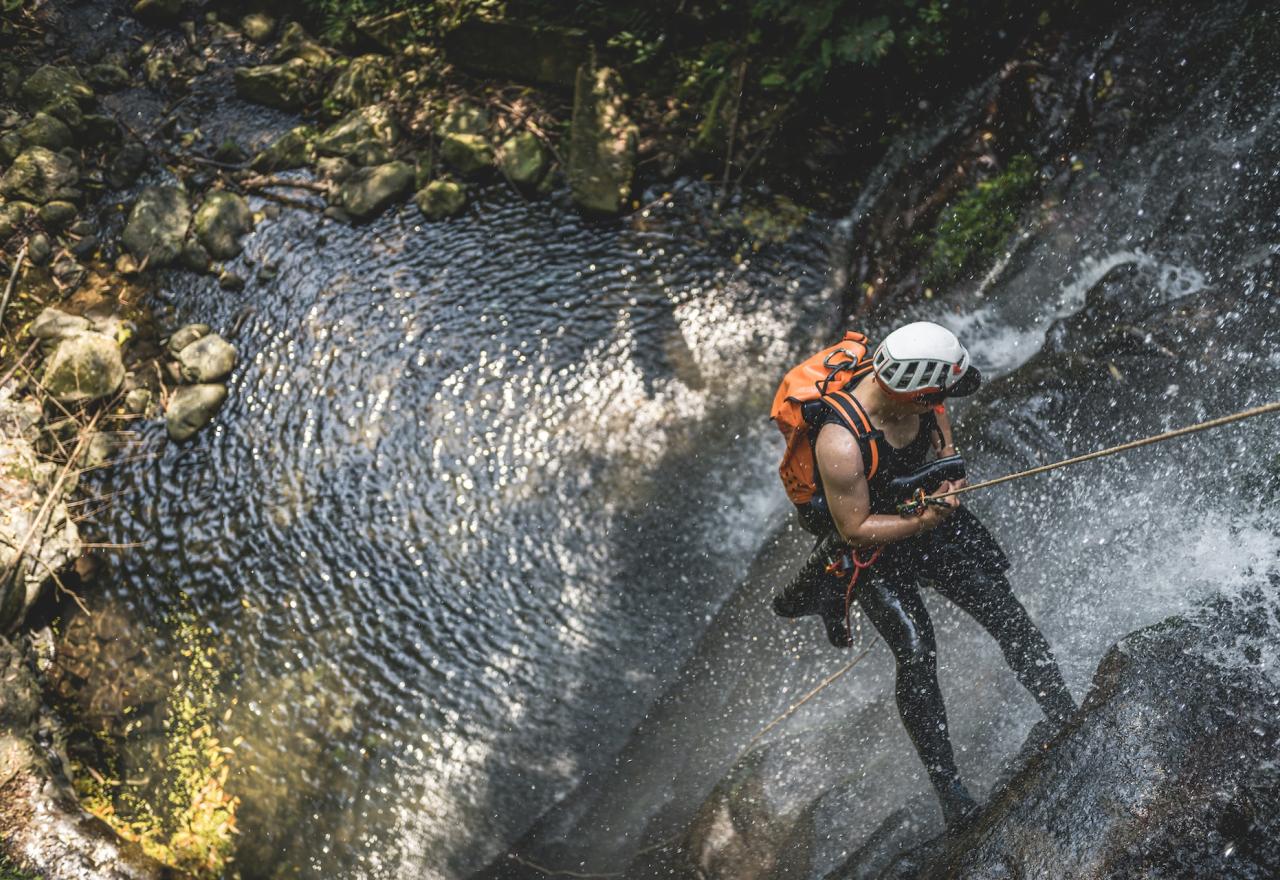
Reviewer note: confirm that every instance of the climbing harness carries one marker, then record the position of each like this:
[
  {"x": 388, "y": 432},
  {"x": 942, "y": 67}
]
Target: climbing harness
[
  {"x": 847, "y": 562},
  {"x": 920, "y": 500}
]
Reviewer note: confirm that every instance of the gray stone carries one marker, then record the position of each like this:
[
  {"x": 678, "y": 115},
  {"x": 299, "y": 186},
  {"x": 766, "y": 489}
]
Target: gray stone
[
  {"x": 127, "y": 164},
  {"x": 258, "y": 26},
  {"x": 158, "y": 11},
  {"x": 468, "y": 154},
  {"x": 376, "y": 123},
  {"x": 334, "y": 168},
  {"x": 286, "y": 86},
  {"x": 365, "y": 80},
  {"x": 523, "y": 159},
  {"x": 138, "y": 401},
  {"x": 602, "y": 144},
  {"x": 45, "y": 131},
  {"x": 108, "y": 77},
  {"x": 54, "y": 325},
  {"x": 296, "y": 44},
  {"x": 368, "y": 191},
  {"x": 40, "y": 175},
  {"x": 229, "y": 280},
  {"x": 85, "y": 366},
  {"x": 157, "y": 225},
  {"x": 49, "y": 83},
  {"x": 292, "y": 150},
  {"x": 370, "y": 153},
  {"x": 39, "y": 249},
  {"x": 184, "y": 336},
  {"x": 208, "y": 359},
  {"x": 440, "y": 198},
  {"x": 56, "y": 215},
  {"x": 191, "y": 407},
  {"x": 220, "y": 221}
]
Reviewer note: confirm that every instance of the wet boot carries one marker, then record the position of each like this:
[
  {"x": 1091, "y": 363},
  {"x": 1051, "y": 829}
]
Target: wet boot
[{"x": 959, "y": 809}]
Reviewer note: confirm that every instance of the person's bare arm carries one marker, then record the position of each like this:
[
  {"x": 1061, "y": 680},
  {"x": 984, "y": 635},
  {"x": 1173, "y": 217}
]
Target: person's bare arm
[
  {"x": 849, "y": 500},
  {"x": 947, "y": 446}
]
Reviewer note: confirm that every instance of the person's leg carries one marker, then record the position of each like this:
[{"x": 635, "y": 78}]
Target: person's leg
[
  {"x": 898, "y": 614},
  {"x": 989, "y": 600}
]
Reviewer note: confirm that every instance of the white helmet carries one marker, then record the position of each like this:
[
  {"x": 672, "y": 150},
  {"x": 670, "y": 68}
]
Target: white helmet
[{"x": 923, "y": 358}]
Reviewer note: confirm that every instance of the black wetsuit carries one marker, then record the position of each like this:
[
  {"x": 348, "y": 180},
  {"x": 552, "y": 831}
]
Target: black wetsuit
[{"x": 963, "y": 562}]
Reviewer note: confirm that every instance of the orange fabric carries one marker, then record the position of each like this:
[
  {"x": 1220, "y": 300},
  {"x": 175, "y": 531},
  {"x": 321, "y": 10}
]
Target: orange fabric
[{"x": 808, "y": 381}]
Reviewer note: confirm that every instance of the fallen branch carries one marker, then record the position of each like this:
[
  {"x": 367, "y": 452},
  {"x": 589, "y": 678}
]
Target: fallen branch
[
  {"x": 264, "y": 180},
  {"x": 13, "y": 276}
]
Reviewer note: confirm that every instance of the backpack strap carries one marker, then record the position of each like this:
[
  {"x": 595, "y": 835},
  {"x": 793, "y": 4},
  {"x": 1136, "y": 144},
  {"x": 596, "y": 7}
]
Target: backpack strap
[{"x": 854, "y": 417}]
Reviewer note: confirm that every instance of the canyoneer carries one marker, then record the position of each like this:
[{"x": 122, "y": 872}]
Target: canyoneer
[{"x": 866, "y": 432}]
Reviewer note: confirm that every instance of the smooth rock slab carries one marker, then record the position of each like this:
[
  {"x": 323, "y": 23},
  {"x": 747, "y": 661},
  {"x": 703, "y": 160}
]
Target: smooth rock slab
[
  {"x": 84, "y": 366},
  {"x": 209, "y": 359},
  {"x": 157, "y": 225},
  {"x": 192, "y": 407}
]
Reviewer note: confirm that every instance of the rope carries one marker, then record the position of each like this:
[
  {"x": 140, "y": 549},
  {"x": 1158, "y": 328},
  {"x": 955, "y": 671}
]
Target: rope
[{"x": 1123, "y": 447}]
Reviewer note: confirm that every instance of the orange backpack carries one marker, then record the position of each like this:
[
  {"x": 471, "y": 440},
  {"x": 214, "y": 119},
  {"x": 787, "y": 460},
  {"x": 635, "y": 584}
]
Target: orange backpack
[{"x": 827, "y": 376}]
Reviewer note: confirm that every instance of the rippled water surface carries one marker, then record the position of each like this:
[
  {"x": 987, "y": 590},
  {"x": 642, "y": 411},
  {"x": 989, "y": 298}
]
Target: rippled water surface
[{"x": 478, "y": 486}]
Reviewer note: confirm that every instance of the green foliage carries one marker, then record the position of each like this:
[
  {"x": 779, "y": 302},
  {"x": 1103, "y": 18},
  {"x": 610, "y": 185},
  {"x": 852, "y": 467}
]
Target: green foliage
[
  {"x": 973, "y": 228},
  {"x": 10, "y": 871},
  {"x": 813, "y": 39},
  {"x": 335, "y": 19}
]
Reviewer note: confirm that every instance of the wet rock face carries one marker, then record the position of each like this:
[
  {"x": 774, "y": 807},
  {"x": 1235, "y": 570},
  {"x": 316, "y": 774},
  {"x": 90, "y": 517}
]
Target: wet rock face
[
  {"x": 1169, "y": 771},
  {"x": 192, "y": 407}
]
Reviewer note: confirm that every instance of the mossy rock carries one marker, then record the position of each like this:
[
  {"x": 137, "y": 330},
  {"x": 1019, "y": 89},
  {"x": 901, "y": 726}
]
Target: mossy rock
[
  {"x": 45, "y": 131},
  {"x": 48, "y": 83},
  {"x": 219, "y": 223},
  {"x": 468, "y": 154},
  {"x": 57, "y": 215},
  {"x": 367, "y": 192},
  {"x": 365, "y": 80},
  {"x": 287, "y": 86},
  {"x": 524, "y": 159},
  {"x": 376, "y": 124},
  {"x": 12, "y": 215},
  {"x": 40, "y": 175},
  {"x": 388, "y": 31},
  {"x": 86, "y": 366},
  {"x": 297, "y": 44},
  {"x": 108, "y": 77},
  {"x": 602, "y": 144},
  {"x": 440, "y": 199},
  {"x": 292, "y": 150}
]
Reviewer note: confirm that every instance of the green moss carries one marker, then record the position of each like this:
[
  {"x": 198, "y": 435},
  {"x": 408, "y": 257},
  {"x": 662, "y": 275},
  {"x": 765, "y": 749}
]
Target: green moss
[
  {"x": 974, "y": 227},
  {"x": 188, "y": 819}
]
